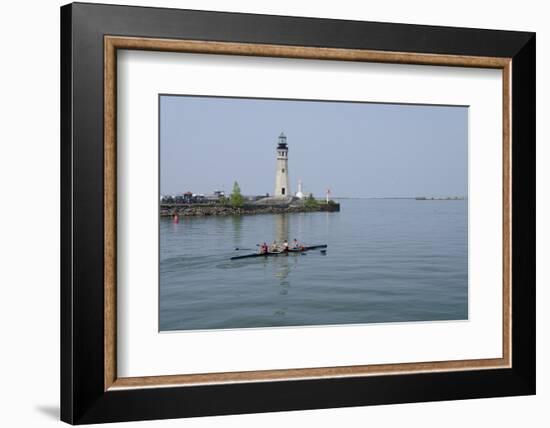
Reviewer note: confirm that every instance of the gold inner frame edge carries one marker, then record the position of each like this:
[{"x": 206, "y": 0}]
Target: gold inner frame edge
[{"x": 113, "y": 43}]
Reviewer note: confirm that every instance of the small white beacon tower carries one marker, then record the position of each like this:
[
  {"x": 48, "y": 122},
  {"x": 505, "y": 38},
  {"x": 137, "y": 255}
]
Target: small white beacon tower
[{"x": 299, "y": 193}]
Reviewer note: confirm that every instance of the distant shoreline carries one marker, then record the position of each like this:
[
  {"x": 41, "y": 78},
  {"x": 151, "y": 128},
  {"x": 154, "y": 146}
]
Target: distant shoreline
[{"x": 418, "y": 198}]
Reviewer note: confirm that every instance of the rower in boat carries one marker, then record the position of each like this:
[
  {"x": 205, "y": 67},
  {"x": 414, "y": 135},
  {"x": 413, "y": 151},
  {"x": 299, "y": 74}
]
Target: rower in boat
[
  {"x": 274, "y": 248},
  {"x": 296, "y": 245},
  {"x": 285, "y": 246},
  {"x": 264, "y": 248}
]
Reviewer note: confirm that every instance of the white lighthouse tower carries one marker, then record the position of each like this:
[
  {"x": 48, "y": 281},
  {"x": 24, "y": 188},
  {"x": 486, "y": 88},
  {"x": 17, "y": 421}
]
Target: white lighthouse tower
[{"x": 282, "y": 187}]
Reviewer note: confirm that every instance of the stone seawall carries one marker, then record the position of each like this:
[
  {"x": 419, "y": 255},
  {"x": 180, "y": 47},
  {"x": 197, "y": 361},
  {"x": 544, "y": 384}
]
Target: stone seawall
[{"x": 188, "y": 210}]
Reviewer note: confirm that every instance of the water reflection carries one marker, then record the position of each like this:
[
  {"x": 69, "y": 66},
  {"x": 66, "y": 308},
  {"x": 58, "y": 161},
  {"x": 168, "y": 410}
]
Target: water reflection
[
  {"x": 237, "y": 223},
  {"x": 282, "y": 273},
  {"x": 281, "y": 228},
  {"x": 281, "y": 263},
  {"x": 283, "y": 269}
]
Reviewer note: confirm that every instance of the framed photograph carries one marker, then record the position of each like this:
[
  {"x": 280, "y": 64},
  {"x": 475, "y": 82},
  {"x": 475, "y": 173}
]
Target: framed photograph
[{"x": 266, "y": 213}]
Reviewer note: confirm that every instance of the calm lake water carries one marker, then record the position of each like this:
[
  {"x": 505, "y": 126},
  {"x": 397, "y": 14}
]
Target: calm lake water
[{"x": 388, "y": 260}]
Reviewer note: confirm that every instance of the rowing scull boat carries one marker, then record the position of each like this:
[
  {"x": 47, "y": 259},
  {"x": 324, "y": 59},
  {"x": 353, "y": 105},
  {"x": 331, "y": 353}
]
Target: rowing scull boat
[{"x": 302, "y": 250}]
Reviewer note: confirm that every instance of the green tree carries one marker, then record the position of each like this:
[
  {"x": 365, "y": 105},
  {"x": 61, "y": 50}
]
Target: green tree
[
  {"x": 237, "y": 199},
  {"x": 311, "y": 202}
]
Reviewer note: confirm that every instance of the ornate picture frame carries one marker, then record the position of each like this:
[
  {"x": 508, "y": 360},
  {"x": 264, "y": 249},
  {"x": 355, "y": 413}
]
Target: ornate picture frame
[{"x": 91, "y": 389}]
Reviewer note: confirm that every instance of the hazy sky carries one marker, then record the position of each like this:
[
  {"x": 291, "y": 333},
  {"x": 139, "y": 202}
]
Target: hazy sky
[{"x": 355, "y": 149}]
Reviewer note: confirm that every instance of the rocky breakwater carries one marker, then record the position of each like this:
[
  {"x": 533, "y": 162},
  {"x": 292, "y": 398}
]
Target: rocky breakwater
[{"x": 262, "y": 206}]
